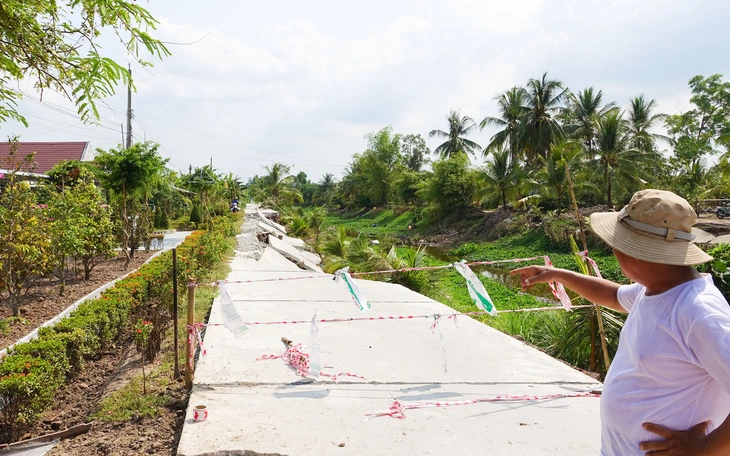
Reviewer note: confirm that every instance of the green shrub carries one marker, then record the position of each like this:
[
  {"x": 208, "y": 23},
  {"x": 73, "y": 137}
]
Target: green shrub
[
  {"x": 77, "y": 342},
  {"x": 27, "y": 386},
  {"x": 720, "y": 267},
  {"x": 51, "y": 350}
]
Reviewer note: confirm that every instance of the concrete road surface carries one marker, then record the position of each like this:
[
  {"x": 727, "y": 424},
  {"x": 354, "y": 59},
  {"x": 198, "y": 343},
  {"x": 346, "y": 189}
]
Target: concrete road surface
[{"x": 264, "y": 407}]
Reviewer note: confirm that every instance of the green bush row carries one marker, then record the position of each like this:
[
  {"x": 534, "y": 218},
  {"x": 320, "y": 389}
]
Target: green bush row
[{"x": 32, "y": 373}]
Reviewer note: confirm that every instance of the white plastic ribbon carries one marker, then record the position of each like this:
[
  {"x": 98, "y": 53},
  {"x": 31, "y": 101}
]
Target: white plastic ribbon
[
  {"x": 231, "y": 319},
  {"x": 315, "y": 363},
  {"x": 357, "y": 296},
  {"x": 476, "y": 289},
  {"x": 437, "y": 325}
]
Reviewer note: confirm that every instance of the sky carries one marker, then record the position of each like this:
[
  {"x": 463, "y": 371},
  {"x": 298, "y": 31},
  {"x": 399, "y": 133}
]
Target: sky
[{"x": 302, "y": 83}]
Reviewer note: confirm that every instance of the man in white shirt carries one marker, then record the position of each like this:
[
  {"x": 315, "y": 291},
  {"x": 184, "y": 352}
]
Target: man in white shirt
[{"x": 667, "y": 391}]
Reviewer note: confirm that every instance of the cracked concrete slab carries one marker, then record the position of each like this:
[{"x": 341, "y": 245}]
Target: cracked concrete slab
[{"x": 264, "y": 407}]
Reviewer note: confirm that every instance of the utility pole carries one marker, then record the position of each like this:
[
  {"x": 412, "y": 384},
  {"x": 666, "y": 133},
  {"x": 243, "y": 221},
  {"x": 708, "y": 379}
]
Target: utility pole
[{"x": 129, "y": 109}]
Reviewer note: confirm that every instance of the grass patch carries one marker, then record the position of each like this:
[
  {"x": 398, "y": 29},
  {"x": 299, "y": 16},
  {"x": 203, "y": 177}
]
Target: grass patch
[
  {"x": 449, "y": 287},
  {"x": 388, "y": 222},
  {"x": 6, "y": 322},
  {"x": 131, "y": 402}
]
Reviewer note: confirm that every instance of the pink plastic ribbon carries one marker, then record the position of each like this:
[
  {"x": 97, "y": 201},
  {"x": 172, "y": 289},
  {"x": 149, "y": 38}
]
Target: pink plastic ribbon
[
  {"x": 558, "y": 289},
  {"x": 296, "y": 357},
  {"x": 584, "y": 254},
  {"x": 397, "y": 409}
]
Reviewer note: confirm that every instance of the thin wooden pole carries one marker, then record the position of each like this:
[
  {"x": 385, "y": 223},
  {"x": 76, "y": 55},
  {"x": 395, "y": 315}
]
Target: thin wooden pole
[
  {"x": 604, "y": 347},
  {"x": 575, "y": 207},
  {"x": 190, "y": 352},
  {"x": 176, "y": 365},
  {"x": 599, "y": 317}
]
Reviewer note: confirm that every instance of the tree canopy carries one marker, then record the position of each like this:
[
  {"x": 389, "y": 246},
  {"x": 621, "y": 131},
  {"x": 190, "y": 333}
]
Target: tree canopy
[{"x": 56, "y": 44}]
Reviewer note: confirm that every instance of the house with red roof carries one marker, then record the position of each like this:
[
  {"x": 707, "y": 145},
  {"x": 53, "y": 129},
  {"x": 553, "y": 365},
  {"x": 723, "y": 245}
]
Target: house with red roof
[{"x": 47, "y": 154}]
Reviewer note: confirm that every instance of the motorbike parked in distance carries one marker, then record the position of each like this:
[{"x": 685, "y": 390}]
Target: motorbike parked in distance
[{"x": 722, "y": 211}]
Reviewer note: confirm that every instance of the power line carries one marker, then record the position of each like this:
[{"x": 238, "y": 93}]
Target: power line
[{"x": 65, "y": 111}]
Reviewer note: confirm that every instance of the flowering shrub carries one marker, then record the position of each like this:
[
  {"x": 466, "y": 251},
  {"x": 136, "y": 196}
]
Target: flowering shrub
[{"x": 27, "y": 386}]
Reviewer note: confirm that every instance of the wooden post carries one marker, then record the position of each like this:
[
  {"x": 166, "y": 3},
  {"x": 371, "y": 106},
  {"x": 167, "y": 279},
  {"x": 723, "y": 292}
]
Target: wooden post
[
  {"x": 176, "y": 365},
  {"x": 190, "y": 351}
]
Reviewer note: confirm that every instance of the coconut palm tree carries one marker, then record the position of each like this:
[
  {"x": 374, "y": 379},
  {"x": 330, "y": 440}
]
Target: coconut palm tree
[
  {"x": 540, "y": 128},
  {"x": 501, "y": 174},
  {"x": 512, "y": 110},
  {"x": 641, "y": 119},
  {"x": 456, "y": 141},
  {"x": 277, "y": 186},
  {"x": 552, "y": 178},
  {"x": 585, "y": 109},
  {"x": 327, "y": 187},
  {"x": 616, "y": 162}
]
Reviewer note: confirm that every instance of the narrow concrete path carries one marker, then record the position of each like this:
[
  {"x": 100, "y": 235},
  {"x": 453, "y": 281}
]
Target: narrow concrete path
[{"x": 263, "y": 407}]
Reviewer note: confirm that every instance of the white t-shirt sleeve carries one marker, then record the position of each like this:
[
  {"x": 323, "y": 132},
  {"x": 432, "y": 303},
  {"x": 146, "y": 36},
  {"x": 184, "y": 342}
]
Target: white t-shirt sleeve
[
  {"x": 708, "y": 339},
  {"x": 627, "y": 295}
]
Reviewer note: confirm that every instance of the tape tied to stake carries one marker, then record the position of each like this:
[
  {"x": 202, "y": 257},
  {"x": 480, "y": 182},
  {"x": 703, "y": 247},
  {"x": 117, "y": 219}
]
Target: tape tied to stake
[{"x": 194, "y": 332}]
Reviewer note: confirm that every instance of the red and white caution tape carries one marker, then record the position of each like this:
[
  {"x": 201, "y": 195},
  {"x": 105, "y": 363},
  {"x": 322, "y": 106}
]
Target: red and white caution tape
[
  {"x": 280, "y": 279},
  {"x": 555, "y": 287},
  {"x": 397, "y": 409},
  {"x": 296, "y": 357},
  {"x": 399, "y": 317},
  {"x": 193, "y": 333}
]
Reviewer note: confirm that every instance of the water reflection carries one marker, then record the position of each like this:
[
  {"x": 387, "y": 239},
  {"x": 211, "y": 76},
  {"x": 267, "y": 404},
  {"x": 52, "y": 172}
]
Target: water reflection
[{"x": 541, "y": 290}]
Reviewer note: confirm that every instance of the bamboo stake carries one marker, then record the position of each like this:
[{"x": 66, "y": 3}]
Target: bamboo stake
[
  {"x": 176, "y": 365},
  {"x": 599, "y": 317},
  {"x": 190, "y": 350}
]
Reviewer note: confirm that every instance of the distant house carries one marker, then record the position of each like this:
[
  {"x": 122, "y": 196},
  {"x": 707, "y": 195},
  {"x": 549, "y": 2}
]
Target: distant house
[{"x": 47, "y": 154}]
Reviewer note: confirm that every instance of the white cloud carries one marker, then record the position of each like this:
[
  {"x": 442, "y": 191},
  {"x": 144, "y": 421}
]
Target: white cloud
[{"x": 309, "y": 80}]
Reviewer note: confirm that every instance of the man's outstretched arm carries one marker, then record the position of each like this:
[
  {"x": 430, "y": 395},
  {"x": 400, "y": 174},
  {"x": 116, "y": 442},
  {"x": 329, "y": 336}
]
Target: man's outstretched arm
[{"x": 599, "y": 291}]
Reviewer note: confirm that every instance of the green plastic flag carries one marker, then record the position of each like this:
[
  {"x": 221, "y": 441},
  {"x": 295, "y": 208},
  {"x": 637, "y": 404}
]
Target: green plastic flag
[
  {"x": 357, "y": 296},
  {"x": 476, "y": 289}
]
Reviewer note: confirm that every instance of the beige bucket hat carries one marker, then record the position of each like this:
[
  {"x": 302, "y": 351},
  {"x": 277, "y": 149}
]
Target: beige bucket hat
[{"x": 656, "y": 226}]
